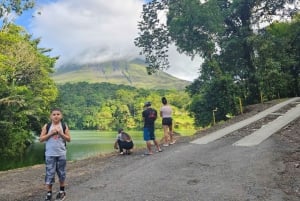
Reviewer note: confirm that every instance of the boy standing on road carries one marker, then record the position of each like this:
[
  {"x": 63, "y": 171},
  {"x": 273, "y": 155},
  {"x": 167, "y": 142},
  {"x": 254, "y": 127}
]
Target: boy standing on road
[
  {"x": 149, "y": 117},
  {"x": 55, "y": 155}
]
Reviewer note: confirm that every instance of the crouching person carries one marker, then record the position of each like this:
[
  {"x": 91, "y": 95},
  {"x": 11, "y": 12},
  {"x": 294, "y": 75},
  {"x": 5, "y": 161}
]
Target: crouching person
[{"x": 123, "y": 142}]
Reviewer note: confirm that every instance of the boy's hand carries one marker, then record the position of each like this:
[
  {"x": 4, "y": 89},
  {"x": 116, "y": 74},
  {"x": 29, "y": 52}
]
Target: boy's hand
[{"x": 56, "y": 131}]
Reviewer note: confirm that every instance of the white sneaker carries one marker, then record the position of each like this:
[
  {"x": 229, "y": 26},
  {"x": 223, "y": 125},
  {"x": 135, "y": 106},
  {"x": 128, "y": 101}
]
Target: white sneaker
[{"x": 165, "y": 145}]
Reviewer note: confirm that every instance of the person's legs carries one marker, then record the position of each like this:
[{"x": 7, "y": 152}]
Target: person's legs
[
  {"x": 169, "y": 124},
  {"x": 172, "y": 140},
  {"x": 130, "y": 147},
  {"x": 166, "y": 135},
  {"x": 61, "y": 172},
  {"x": 157, "y": 145},
  {"x": 50, "y": 175},
  {"x": 120, "y": 146},
  {"x": 148, "y": 140},
  {"x": 61, "y": 169},
  {"x": 149, "y": 147},
  {"x": 127, "y": 146},
  {"x": 152, "y": 137}
]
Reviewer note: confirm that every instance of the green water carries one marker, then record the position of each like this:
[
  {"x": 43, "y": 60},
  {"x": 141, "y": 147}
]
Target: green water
[
  {"x": 83, "y": 144},
  {"x": 90, "y": 143}
]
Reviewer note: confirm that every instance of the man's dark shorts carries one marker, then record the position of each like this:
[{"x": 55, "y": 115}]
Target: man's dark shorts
[{"x": 149, "y": 134}]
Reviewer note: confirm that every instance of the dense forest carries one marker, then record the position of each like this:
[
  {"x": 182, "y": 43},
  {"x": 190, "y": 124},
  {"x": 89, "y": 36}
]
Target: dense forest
[
  {"x": 244, "y": 62},
  {"x": 244, "y": 59},
  {"x": 105, "y": 106}
]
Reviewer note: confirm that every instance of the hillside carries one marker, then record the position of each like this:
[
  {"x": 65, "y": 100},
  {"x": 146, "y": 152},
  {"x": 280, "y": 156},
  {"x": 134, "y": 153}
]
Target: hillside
[{"x": 131, "y": 73}]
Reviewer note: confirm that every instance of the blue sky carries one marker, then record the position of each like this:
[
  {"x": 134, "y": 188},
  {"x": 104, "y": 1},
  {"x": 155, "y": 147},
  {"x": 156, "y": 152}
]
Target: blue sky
[
  {"x": 95, "y": 31},
  {"x": 26, "y": 18}
]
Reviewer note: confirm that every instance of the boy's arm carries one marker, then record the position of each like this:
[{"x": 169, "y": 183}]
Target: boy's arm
[
  {"x": 44, "y": 136},
  {"x": 66, "y": 136},
  {"x": 116, "y": 144}
]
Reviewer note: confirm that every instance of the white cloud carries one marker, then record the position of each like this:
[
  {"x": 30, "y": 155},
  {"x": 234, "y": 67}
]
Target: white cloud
[
  {"x": 90, "y": 27},
  {"x": 95, "y": 31},
  {"x": 182, "y": 66}
]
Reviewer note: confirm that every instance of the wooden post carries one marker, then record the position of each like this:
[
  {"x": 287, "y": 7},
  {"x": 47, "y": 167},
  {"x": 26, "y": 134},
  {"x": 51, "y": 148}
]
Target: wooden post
[
  {"x": 241, "y": 106},
  {"x": 214, "y": 117}
]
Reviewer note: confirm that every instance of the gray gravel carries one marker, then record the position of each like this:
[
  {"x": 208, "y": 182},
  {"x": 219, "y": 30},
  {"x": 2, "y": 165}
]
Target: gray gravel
[{"x": 216, "y": 171}]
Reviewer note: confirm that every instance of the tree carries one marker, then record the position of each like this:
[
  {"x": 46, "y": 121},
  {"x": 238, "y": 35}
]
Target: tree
[
  {"x": 218, "y": 31},
  {"x": 278, "y": 59},
  {"x": 26, "y": 89},
  {"x": 106, "y": 106},
  {"x": 17, "y": 7},
  {"x": 154, "y": 39}
]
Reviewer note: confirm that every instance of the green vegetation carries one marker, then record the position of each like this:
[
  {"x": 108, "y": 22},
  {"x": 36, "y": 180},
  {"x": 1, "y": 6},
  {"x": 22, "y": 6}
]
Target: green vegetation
[
  {"x": 106, "y": 106},
  {"x": 26, "y": 89},
  {"x": 240, "y": 64}
]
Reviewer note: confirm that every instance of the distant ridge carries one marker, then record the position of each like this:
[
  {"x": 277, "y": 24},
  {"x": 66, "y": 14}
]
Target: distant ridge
[{"x": 132, "y": 73}]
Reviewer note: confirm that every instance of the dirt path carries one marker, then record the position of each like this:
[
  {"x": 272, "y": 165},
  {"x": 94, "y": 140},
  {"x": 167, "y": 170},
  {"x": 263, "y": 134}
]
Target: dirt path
[{"x": 102, "y": 174}]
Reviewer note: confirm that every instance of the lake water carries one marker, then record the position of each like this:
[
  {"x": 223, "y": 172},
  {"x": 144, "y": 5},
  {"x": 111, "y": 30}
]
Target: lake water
[{"x": 84, "y": 144}]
